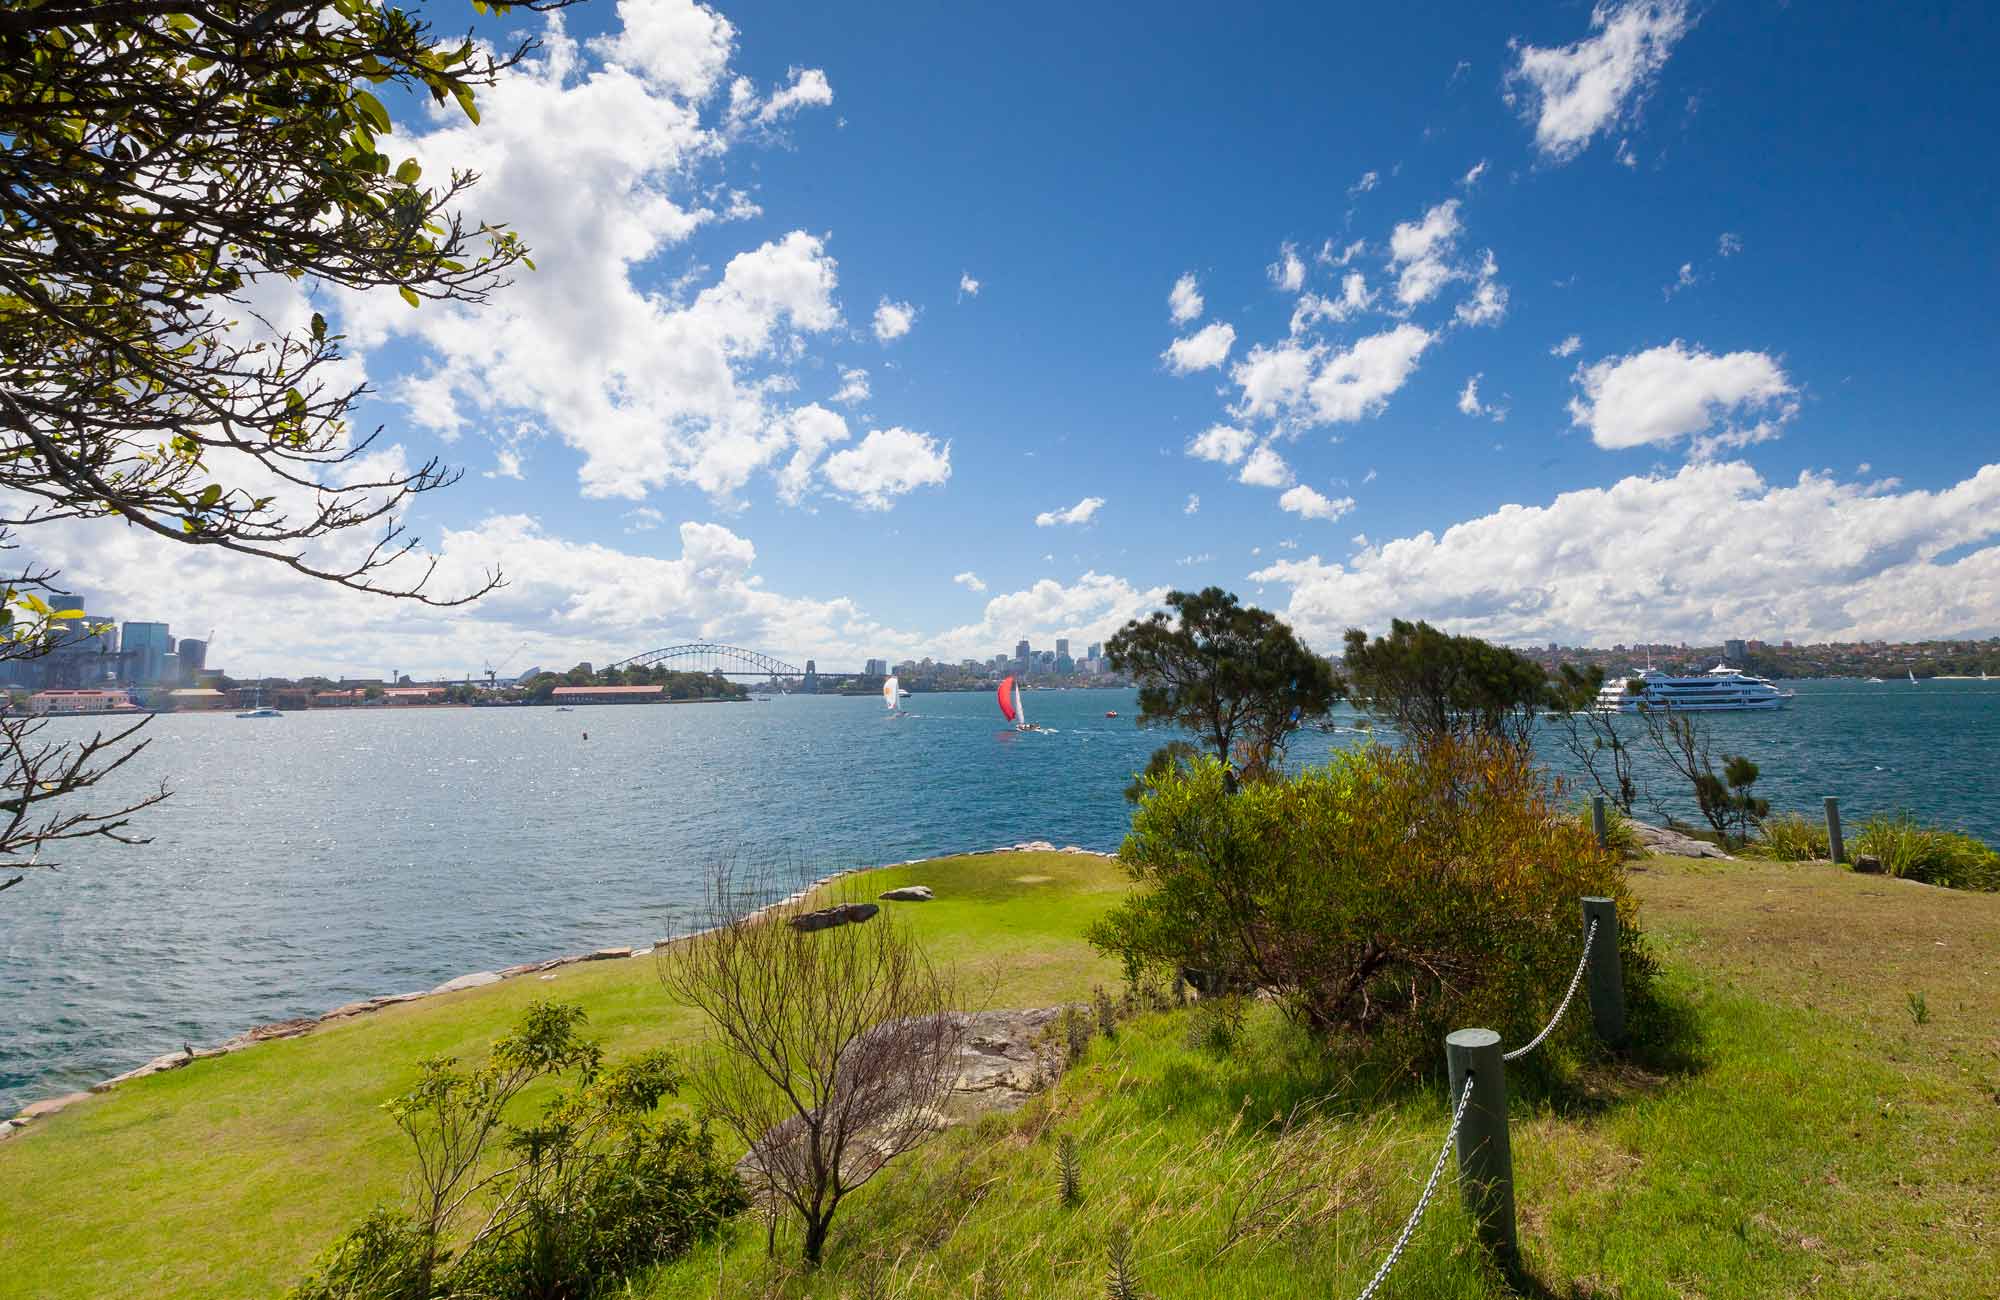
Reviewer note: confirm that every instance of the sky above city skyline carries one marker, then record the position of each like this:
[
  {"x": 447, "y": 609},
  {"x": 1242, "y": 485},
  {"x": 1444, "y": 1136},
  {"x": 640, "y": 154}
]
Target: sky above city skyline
[{"x": 904, "y": 330}]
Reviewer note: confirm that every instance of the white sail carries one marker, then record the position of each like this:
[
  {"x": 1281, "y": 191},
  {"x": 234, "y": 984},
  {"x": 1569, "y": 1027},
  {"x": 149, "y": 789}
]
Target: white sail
[
  {"x": 889, "y": 694},
  {"x": 1020, "y": 705}
]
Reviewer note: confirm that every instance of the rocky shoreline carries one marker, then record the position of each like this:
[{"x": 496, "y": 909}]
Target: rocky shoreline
[{"x": 475, "y": 979}]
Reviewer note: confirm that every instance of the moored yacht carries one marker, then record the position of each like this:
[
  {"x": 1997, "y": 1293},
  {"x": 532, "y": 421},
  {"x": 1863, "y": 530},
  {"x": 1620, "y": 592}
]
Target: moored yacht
[{"x": 1721, "y": 687}]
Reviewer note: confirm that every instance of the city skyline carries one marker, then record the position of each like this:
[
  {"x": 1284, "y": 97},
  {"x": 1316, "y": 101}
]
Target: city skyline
[{"x": 1541, "y": 324}]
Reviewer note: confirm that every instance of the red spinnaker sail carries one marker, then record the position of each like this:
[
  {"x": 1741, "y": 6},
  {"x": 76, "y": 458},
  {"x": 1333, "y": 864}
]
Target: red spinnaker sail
[{"x": 1007, "y": 689}]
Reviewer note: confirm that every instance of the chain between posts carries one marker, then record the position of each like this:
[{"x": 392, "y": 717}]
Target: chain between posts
[
  {"x": 1424, "y": 1201},
  {"x": 1556, "y": 1019}
]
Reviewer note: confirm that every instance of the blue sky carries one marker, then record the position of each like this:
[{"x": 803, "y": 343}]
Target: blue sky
[{"x": 1768, "y": 229}]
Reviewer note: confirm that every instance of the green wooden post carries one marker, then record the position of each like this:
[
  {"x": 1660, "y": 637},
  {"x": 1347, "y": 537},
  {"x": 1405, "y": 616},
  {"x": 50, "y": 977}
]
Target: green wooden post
[
  {"x": 1597, "y": 822},
  {"x": 1834, "y": 844},
  {"x": 1604, "y": 972},
  {"x": 1485, "y": 1160}
]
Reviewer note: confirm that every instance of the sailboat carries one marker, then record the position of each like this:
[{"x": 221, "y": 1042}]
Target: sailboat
[
  {"x": 1913, "y": 677},
  {"x": 1012, "y": 706},
  {"x": 889, "y": 695},
  {"x": 258, "y": 708}
]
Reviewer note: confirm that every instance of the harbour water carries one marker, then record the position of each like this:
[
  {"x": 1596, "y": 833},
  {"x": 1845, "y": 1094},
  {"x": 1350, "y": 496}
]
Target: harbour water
[{"x": 327, "y": 856}]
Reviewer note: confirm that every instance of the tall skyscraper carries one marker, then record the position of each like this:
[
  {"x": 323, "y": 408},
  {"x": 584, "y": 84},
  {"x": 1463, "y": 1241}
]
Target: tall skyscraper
[
  {"x": 145, "y": 647},
  {"x": 1062, "y": 647},
  {"x": 193, "y": 654},
  {"x": 1021, "y": 652}
]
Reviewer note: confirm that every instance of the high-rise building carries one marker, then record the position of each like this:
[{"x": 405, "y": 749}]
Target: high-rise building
[
  {"x": 876, "y": 668},
  {"x": 1062, "y": 647},
  {"x": 1735, "y": 651},
  {"x": 193, "y": 654},
  {"x": 144, "y": 647},
  {"x": 1021, "y": 652},
  {"x": 1096, "y": 650}
]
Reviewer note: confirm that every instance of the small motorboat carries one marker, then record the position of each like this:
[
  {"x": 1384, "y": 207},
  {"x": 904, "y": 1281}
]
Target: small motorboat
[
  {"x": 1111, "y": 713},
  {"x": 565, "y": 708}
]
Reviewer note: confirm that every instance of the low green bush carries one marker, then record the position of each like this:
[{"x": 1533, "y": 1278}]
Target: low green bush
[
  {"x": 596, "y": 1187},
  {"x": 1391, "y": 895},
  {"x": 1931, "y": 854},
  {"x": 1790, "y": 837}
]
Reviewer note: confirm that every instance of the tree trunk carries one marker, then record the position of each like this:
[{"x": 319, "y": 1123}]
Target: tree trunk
[{"x": 815, "y": 1240}]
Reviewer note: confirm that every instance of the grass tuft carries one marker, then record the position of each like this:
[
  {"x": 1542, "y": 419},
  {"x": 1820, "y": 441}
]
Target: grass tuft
[
  {"x": 1931, "y": 854},
  {"x": 1790, "y": 837}
]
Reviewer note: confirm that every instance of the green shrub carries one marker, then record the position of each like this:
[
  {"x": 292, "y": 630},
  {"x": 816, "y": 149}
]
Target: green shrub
[
  {"x": 1391, "y": 894},
  {"x": 597, "y": 1186},
  {"x": 383, "y": 1257},
  {"x": 1790, "y": 837},
  {"x": 1216, "y": 1024},
  {"x": 1927, "y": 853}
]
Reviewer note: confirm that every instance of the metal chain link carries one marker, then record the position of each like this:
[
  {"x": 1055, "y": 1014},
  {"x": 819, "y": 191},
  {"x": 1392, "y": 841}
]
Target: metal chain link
[
  {"x": 1424, "y": 1201},
  {"x": 1589, "y": 938}
]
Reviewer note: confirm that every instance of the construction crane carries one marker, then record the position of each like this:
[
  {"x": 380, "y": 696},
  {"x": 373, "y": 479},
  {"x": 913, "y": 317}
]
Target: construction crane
[{"x": 491, "y": 675}]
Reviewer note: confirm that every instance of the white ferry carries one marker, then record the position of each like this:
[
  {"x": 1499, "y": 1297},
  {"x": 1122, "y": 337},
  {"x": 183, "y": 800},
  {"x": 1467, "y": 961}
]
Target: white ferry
[{"x": 1721, "y": 687}]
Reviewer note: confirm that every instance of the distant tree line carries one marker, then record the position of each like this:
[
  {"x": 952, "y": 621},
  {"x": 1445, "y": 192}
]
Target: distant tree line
[{"x": 680, "y": 685}]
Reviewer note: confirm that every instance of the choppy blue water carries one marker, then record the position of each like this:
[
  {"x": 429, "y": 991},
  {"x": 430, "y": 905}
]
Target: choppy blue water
[{"x": 329, "y": 856}]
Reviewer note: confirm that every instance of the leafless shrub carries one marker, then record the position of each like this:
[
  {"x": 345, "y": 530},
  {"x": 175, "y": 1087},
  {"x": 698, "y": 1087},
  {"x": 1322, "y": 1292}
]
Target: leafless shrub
[{"x": 835, "y": 1050}]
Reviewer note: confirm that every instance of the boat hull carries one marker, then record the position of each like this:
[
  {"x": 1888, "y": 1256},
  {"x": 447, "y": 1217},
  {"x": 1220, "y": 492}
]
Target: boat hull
[{"x": 1634, "y": 705}]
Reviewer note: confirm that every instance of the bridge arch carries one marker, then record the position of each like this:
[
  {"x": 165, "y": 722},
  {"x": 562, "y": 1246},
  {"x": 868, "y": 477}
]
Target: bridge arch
[{"x": 706, "y": 657}]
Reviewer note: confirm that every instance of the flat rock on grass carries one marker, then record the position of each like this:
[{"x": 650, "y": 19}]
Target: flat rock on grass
[
  {"x": 1661, "y": 842},
  {"x": 907, "y": 894}
]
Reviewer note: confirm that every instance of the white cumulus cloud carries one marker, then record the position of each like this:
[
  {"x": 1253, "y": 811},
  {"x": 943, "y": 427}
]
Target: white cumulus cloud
[
  {"x": 1204, "y": 349},
  {"x": 1468, "y": 398},
  {"x": 1193, "y": 505},
  {"x": 1573, "y": 92},
  {"x": 1661, "y": 395},
  {"x": 1359, "y": 381},
  {"x": 1421, "y": 253},
  {"x": 1184, "y": 302},
  {"x": 1265, "y": 468},
  {"x": 596, "y": 154},
  {"x": 1305, "y": 502},
  {"x": 967, "y": 286},
  {"x": 1662, "y": 557},
  {"x": 1288, "y": 273},
  {"x": 1223, "y": 443},
  {"x": 888, "y": 463},
  {"x": 1569, "y": 347},
  {"x": 1080, "y": 513},
  {"x": 969, "y": 580},
  {"x": 853, "y": 388},
  {"x": 893, "y": 319},
  {"x": 1487, "y": 304}
]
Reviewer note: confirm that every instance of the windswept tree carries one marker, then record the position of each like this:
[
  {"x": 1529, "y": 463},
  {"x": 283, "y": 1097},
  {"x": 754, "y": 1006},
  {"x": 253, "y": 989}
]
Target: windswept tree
[
  {"x": 169, "y": 170},
  {"x": 834, "y": 1050},
  {"x": 1595, "y": 737},
  {"x": 1234, "y": 675},
  {"x": 1435, "y": 687}
]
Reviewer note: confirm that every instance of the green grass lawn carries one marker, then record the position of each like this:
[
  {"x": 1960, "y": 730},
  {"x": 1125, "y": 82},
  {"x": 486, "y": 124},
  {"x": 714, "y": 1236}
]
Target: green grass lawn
[
  {"x": 1833, "y": 1132},
  {"x": 1817, "y": 1140},
  {"x": 226, "y": 1177}
]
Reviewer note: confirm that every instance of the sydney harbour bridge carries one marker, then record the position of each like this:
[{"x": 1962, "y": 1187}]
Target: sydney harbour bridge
[{"x": 730, "y": 661}]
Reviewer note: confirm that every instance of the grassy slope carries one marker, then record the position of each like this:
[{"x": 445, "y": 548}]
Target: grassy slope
[
  {"x": 224, "y": 1178},
  {"x": 1824, "y": 1144}
]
